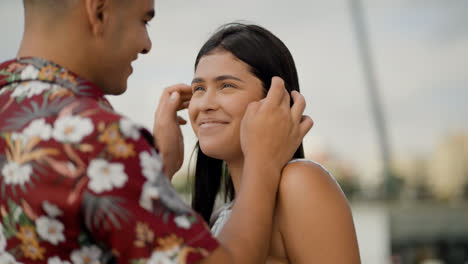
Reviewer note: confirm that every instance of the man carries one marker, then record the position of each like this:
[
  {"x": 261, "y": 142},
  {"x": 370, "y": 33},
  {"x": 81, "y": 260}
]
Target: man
[{"x": 80, "y": 183}]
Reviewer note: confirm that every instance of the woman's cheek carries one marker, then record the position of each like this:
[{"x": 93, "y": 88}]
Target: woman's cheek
[{"x": 192, "y": 117}]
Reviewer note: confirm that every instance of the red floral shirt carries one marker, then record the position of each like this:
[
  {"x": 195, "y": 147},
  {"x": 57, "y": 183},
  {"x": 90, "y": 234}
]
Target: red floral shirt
[{"x": 80, "y": 183}]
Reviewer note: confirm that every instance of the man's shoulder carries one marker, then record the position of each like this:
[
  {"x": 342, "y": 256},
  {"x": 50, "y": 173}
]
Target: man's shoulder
[{"x": 62, "y": 108}]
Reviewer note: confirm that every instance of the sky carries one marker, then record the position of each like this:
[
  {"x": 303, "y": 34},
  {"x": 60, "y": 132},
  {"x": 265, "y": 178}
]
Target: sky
[{"x": 419, "y": 50}]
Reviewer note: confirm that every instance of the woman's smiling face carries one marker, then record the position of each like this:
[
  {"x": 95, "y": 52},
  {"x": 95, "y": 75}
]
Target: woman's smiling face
[{"x": 222, "y": 88}]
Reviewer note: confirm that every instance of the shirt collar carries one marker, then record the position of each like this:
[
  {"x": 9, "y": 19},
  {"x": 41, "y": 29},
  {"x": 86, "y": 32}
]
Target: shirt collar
[{"x": 38, "y": 69}]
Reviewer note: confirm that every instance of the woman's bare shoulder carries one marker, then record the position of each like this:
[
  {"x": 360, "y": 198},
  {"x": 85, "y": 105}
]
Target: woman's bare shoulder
[
  {"x": 308, "y": 175},
  {"x": 314, "y": 216}
]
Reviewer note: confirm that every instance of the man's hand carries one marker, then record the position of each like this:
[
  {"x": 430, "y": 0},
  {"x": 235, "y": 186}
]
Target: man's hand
[
  {"x": 167, "y": 134},
  {"x": 271, "y": 130}
]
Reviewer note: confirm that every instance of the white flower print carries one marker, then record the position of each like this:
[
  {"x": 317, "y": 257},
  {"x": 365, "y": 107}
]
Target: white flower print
[
  {"x": 57, "y": 260},
  {"x": 104, "y": 176},
  {"x": 17, "y": 213},
  {"x": 159, "y": 258},
  {"x": 29, "y": 72},
  {"x": 55, "y": 88},
  {"x": 173, "y": 252},
  {"x": 50, "y": 229},
  {"x": 20, "y": 90},
  {"x": 37, "y": 88},
  {"x": 15, "y": 174},
  {"x": 86, "y": 255},
  {"x": 129, "y": 129},
  {"x": 151, "y": 164},
  {"x": 3, "y": 241},
  {"x": 148, "y": 194},
  {"x": 30, "y": 89},
  {"x": 3, "y": 90},
  {"x": 72, "y": 129},
  {"x": 182, "y": 221},
  {"x": 51, "y": 209},
  {"x": 38, "y": 128},
  {"x": 6, "y": 258}
]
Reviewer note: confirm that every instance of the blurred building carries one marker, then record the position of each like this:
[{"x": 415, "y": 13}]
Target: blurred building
[
  {"x": 441, "y": 175},
  {"x": 412, "y": 170},
  {"x": 448, "y": 167}
]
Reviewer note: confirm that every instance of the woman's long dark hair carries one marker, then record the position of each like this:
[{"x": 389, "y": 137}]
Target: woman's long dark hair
[{"x": 267, "y": 57}]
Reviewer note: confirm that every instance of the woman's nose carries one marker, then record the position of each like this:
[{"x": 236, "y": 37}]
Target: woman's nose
[{"x": 209, "y": 101}]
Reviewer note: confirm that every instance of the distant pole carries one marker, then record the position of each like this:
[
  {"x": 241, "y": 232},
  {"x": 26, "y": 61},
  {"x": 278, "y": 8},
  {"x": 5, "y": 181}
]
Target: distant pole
[{"x": 372, "y": 87}]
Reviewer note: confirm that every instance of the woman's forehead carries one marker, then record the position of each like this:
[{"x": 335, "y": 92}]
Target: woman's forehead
[{"x": 221, "y": 63}]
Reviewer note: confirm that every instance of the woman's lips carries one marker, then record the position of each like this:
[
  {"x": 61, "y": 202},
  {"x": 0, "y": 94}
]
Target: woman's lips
[{"x": 211, "y": 123}]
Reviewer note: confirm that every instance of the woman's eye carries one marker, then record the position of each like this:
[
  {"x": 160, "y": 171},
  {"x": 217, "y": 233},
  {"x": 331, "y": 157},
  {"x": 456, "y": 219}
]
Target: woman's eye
[
  {"x": 198, "y": 88},
  {"x": 228, "y": 85}
]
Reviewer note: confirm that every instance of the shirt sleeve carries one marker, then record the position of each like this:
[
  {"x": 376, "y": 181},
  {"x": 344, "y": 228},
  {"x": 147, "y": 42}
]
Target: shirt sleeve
[{"x": 129, "y": 205}]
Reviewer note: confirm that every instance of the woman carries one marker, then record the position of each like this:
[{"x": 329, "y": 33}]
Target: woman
[{"x": 312, "y": 221}]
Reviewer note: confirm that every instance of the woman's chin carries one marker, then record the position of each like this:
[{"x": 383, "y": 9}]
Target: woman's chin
[
  {"x": 220, "y": 148},
  {"x": 216, "y": 151},
  {"x": 213, "y": 153}
]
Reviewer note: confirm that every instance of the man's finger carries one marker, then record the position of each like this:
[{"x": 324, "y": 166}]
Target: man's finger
[
  {"x": 186, "y": 95},
  {"x": 181, "y": 120},
  {"x": 184, "y": 91},
  {"x": 298, "y": 107},
  {"x": 173, "y": 103},
  {"x": 180, "y": 87},
  {"x": 184, "y": 105}
]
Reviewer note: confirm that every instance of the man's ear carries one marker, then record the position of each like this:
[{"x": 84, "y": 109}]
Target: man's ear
[{"x": 97, "y": 11}]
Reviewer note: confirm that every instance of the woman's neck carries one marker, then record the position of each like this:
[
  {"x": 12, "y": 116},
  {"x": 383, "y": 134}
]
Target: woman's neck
[{"x": 236, "y": 168}]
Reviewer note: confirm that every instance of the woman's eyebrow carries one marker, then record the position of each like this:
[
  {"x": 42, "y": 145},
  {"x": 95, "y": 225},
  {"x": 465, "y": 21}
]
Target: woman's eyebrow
[
  {"x": 197, "y": 80},
  {"x": 227, "y": 77},
  {"x": 217, "y": 79}
]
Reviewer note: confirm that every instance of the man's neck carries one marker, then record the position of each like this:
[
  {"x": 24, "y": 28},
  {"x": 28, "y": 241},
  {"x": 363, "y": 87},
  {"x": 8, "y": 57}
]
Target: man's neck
[{"x": 61, "y": 47}]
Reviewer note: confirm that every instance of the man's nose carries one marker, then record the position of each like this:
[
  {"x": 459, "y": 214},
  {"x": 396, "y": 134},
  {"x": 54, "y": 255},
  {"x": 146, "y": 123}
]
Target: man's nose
[{"x": 147, "y": 45}]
